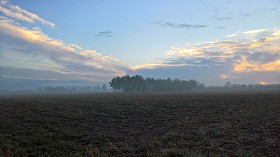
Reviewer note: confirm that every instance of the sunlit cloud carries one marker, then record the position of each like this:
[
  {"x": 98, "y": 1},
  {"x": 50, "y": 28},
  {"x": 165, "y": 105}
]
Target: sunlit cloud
[
  {"x": 239, "y": 56},
  {"x": 67, "y": 59},
  {"x": 248, "y": 66},
  {"x": 149, "y": 66},
  {"x": 253, "y": 32},
  {"x": 263, "y": 83},
  {"x": 186, "y": 52},
  {"x": 225, "y": 76},
  {"x": 231, "y": 35},
  {"x": 18, "y": 13},
  {"x": 237, "y": 51},
  {"x": 157, "y": 65}
]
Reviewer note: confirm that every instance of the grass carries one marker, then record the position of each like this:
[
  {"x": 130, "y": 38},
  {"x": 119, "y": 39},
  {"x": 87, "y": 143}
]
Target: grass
[{"x": 116, "y": 124}]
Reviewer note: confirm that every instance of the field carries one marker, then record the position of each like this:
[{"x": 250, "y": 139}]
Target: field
[{"x": 117, "y": 124}]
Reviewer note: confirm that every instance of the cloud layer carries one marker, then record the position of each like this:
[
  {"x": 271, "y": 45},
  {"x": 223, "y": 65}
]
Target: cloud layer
[
  {"x": 235, "y": 58},
  {"x": 18, "y": 13},
  {"x": 25, "y": 49}
]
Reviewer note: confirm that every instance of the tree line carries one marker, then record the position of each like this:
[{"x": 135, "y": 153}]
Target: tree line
[
  {"x": 97, "y": 88},
  {"x": 138, "y": 83}
]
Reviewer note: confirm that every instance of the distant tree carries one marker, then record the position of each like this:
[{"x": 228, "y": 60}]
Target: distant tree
[
  {"x": 97, "y": 88},
  {"x": 228, "y": 85},
  {"x": 104, "y": 87},
  {"x": 116, "y": 83},
  {"x": 126, "y": 83},
  {"x": 192, "y": 84},
  {"x": 39, "y": 89},
  {"x": 200, "y": 85},
  {"x": 150, "y": 84},
  {"x": 138, "y": 83},
  {"x": 86, "y": 88}
]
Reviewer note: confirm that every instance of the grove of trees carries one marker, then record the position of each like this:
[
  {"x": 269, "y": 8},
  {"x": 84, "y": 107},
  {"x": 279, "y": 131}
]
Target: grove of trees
[{"x": 137, "y": 83}]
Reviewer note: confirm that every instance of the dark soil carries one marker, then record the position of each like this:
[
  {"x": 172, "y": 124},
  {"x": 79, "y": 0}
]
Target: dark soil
[{"x": 209, "y": 124}]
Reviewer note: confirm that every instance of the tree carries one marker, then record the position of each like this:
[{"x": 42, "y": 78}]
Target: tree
[
  {"x": 116, "y": 83},
  {"x": 104, "y": 87},
  {"x": 150, "y": 84},
  {"x": 97, "y": 88},
  {"x": 138, "y": 83},
  {"x": 228, "y": 85}
]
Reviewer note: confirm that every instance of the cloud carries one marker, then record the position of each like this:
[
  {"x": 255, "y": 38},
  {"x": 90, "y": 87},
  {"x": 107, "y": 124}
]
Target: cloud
[
  {"x": 273, "y": 9},
  {"x": 187, "y": 26},
  {"x": 253, "y": 32},
  {"x": 241, "y": 56},
  {"x": 105, "y": 34},
  {"x": 4, "y": 1},
  {"x": 223, "y": 18},
  {"x": 263, "y": 83},
  {"x": 248, "y": 13},
  {"x": 18, "y": 13},
  {"x": 247, "y": 66},
  {"x": 237, "y": 51},
  {"x": 225, "y": 76},
  {"x": 37, "y": 74},
  {"x": 34, "y": 46},
  {"x": 220, "y": 27},
  {"x": 231, "y": 35},
  {"x": 159, "y": 65},
  {"x": 178, "y": 25}
]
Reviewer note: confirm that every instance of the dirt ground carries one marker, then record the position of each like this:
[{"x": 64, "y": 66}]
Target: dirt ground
[{"x": 119, "y": 124}]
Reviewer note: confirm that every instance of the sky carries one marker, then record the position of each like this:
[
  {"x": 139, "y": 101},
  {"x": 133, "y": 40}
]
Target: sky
[{"x": 91, "y": 41}]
